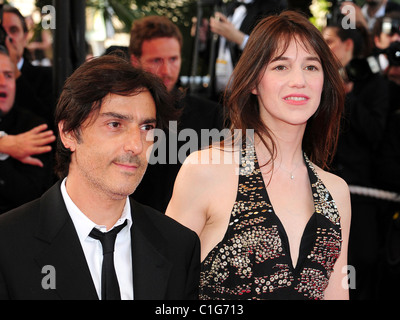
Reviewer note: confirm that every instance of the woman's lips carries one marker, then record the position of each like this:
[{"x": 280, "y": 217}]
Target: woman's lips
[{"x": 296, "y": 99}]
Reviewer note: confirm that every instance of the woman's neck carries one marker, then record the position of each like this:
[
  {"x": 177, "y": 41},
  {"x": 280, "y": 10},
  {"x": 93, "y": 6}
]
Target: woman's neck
[{"x": 288, "y": 148}]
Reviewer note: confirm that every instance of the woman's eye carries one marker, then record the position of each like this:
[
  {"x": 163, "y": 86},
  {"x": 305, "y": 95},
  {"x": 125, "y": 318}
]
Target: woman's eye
[
  {"x": 280, "y": 68},
  {"x": 312, "y": 68}
]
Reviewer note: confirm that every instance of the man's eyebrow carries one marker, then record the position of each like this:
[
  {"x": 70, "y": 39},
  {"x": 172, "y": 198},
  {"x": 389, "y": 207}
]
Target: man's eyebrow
[
  {"x": 125, "y": 117},
  {"x": 150, "y": 120},
  {"x": 116, "y": 115}
]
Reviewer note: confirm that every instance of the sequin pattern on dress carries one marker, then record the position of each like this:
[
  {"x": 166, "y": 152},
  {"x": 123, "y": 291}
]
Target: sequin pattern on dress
[{"x": 252, "y": 260}]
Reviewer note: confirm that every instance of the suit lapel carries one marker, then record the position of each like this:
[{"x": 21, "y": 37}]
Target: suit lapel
[
  {"x": 151, "y": 268},
  {"x": 63, "y": 250}
]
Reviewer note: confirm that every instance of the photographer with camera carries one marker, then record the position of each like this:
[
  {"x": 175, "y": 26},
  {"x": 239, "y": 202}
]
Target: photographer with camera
[
  {"x": 386, "y": 36},
  {"x": 362, "y": 128}
]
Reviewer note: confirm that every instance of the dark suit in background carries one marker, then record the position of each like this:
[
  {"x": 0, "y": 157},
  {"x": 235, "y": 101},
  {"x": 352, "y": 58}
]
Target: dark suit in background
[
  {"x": 41, "y": 233},
  {"x": 362, "y": 130},
  {"x": 20, "y": 182},
  {"x": 35, "y": 91}
]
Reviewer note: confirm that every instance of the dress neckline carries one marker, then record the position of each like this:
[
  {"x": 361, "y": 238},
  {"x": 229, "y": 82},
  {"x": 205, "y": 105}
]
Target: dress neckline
[
  {"x": 253, "y": 258},
  {"x": 311, "y": 225}
]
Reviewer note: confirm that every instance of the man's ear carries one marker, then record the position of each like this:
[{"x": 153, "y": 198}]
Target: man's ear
[
  {"x": 378, "y": 42},
  {"x": 349, "y": 44},
  {"x": 135, "y": 61},
  {"x": 68, "y": 138}
]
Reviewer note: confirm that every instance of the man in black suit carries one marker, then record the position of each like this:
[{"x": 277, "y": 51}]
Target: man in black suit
[
  {"x": 34, "y": 83},
  {"x": 50, "y": 248},
  {"x": 23, "y": 177}
]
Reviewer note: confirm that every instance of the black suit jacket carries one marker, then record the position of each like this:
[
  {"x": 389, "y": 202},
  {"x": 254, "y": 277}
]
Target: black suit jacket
[
  {"x": 41, "y": 233},
  {"x": 34, "y": 91},
  {"x": 20, "y": 182}
]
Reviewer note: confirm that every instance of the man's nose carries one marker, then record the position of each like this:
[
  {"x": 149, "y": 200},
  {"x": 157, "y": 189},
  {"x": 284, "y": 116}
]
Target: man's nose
[
  {"x": 165, "y": 67},
  {"x": 2, "y": 79},
  {"x": 133, "y": 141}
]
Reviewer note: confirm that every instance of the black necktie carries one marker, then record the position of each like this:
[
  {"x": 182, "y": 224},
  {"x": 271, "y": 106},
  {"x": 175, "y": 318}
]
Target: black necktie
[{"x": 109, "y": 281}]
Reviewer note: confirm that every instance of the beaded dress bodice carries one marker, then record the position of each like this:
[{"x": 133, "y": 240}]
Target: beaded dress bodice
[{"x": 253, "y": 259}]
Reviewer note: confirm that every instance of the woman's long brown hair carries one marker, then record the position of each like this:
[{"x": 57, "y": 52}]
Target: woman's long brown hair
[{"x": 270, "y": 35}]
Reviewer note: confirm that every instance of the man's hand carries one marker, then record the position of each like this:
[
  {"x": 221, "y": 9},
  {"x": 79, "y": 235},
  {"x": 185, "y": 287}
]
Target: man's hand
[
  {"x": 22, "y": 146},
  {"x": 223, "y": 27}
]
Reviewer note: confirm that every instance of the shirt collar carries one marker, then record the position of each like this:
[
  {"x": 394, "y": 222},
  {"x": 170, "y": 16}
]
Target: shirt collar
[
  {"x": 82, "y": 223},
  {"x": 20, "y": 63},
  {"x": 380, "y": 13}
]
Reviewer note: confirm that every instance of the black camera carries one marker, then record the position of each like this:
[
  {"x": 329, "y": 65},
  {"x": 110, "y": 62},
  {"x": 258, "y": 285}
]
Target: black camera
[
  {"x": 390, "y": 26},
  {"x": 361, "y": 68},
  {"x": 393, "y": 53}
]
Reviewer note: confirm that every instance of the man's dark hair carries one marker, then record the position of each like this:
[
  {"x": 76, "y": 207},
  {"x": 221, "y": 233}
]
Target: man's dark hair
[
  {"x": 152, "y": 27},
  {"x": 10, "y": 9},
  {"x": 85, "y": 89}
]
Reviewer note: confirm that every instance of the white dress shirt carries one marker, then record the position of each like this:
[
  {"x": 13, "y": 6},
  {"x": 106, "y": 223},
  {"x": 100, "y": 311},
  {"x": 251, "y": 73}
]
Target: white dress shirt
[
  {"x": 94, "y": 252},
  {"x": 371, "y": 20}
]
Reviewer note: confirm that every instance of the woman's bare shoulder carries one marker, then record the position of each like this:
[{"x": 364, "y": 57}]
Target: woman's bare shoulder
[
  {"x": 205, "y": 170},
  {"x": 202, "y": 182},
  {"x": 210, "y": 161},
  {"x": 338, "y": 189}
]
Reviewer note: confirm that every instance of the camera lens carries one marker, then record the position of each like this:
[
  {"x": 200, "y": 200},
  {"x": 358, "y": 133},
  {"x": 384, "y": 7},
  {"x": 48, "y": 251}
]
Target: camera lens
[{"x": 393, "y": 53}]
